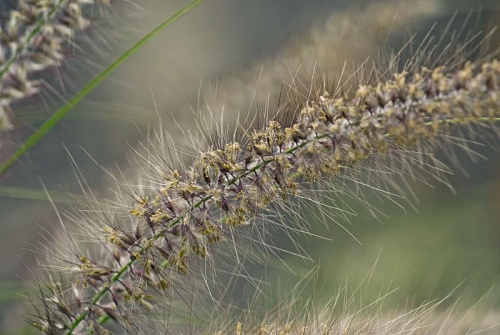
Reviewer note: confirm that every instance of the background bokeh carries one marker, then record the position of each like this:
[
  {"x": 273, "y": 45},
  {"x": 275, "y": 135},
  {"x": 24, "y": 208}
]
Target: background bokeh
[{"x": 452, "y": 242}]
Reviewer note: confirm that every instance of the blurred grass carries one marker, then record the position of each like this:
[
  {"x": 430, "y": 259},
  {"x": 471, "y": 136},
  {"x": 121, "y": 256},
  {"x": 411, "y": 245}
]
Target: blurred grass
[
  {"x": 451, "y": 245},
  {"x": 26, "y": 330},
  {"x": 98, "y": 110},
  {"x": 11, "y": 292},
  {"x": 60, "y": 113},
  {"x": 35, "y": 194}
]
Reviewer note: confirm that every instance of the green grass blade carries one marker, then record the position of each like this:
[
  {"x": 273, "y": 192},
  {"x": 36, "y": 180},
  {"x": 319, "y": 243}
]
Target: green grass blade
[
  {"x": 57, "y": 116},
  {"x": 35, "y": 194}
]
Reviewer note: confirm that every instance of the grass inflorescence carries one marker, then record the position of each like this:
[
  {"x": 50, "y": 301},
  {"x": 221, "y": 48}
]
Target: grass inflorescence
[
  {"x": 185, "y": 212},
  {"x": 32, "y": 40}
]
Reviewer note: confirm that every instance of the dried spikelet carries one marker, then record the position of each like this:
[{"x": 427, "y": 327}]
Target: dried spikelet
[
  {"x": 32, "y": 40},
  {"x": 177, "y": 220}
]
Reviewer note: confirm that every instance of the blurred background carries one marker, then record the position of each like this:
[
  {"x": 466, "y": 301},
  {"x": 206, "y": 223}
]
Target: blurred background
[{"x": 241, "y": 48}]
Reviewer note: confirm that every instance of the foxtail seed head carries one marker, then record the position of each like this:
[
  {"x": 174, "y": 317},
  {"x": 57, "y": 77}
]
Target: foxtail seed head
[{"x": 227, "y": 188}]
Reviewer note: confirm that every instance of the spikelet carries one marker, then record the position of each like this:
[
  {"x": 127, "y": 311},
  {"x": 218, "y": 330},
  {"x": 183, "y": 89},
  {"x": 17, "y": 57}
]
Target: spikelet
[
  {"x": 187, "y": 211},
  {"x": 32, "y": 40}
]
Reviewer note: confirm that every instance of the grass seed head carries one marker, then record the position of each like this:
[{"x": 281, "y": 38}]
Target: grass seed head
[
  {"x": 182, "y": 218},
  {"x": 33, "y": 40}
]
